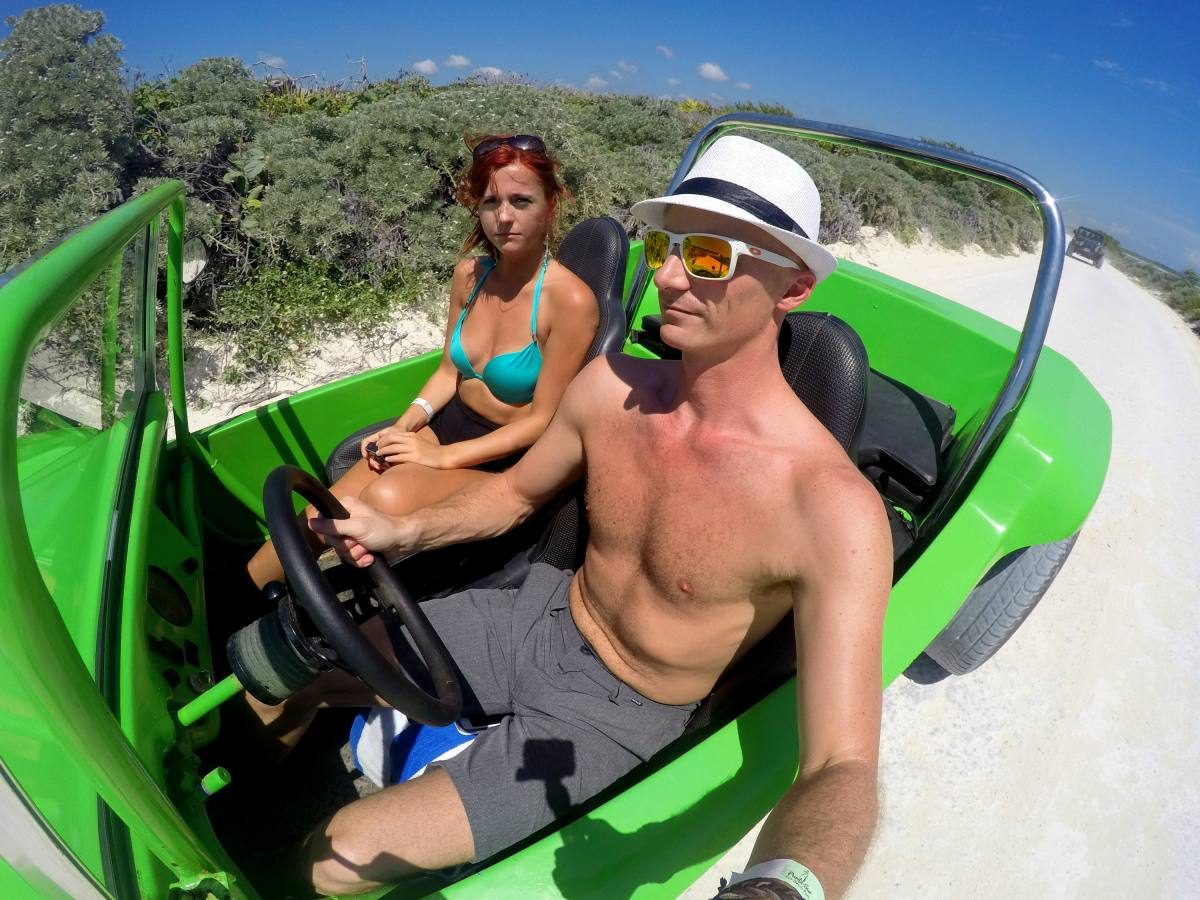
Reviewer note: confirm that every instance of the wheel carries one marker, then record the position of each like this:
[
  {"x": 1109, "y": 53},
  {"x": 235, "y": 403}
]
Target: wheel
[
  {"x": 999, "y": 604},
  {"x": 344, "y": 644}
]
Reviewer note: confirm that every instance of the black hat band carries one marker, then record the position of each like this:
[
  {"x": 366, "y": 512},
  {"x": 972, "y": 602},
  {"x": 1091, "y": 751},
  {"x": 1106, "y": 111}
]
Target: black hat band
[{"x": 744, "y": 199}]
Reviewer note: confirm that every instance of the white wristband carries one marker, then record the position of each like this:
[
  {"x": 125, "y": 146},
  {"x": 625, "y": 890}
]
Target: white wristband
[
  {"x": 786, "y": 870},
  {"x": 425, "y": 405}
]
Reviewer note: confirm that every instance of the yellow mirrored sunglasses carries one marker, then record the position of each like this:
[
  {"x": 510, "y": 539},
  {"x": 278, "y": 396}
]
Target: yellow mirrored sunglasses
[{"x": 708, "y": 256}]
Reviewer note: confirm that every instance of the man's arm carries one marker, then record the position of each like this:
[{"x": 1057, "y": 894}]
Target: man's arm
[
  {"x": 484, "y": 508},
  {"x": 825, "y": 820}
]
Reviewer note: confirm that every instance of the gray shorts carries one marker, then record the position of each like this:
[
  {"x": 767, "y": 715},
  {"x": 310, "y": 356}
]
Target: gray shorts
[{"x": 570, "y": 726}]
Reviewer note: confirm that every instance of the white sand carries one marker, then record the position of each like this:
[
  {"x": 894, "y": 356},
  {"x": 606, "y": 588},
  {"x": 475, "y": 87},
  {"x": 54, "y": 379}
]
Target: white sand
[
  {"x": 74, "y": 393},
  {"x": 1066, "y": 765},
  {"x": 409, "y": 332}
]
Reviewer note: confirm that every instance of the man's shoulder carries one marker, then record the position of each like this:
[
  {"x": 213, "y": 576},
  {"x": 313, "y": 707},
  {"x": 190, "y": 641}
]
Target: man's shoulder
[
  {"x": 609, "y": 384},
  {"x": 842, "y": 512},
  {"x": 621, "y": 372}
]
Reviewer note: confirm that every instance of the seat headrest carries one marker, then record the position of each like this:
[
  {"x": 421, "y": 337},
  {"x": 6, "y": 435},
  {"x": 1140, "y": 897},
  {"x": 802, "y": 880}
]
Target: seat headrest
[
  {"x": 825, "y": 362},
  {"x": 597, "y": 250}
]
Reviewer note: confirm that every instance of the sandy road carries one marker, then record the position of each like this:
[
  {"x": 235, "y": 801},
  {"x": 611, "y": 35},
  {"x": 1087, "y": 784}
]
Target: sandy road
[{"x": 1068, "y": 765}]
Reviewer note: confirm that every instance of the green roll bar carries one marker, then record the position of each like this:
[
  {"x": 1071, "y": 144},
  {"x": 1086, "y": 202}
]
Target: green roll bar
[{"x": 32, "y": 297}]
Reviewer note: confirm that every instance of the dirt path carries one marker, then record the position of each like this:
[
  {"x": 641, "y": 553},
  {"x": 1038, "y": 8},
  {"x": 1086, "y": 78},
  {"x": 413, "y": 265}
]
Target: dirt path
[{"x": 1067, "y": 765}]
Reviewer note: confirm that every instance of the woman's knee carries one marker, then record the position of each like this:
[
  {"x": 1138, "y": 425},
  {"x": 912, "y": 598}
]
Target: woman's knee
[{"x": 387, "y": 494}]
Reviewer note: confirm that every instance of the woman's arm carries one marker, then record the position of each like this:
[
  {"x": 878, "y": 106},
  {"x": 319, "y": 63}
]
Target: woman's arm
[
  {"x": 441, "y": 386},
  {"x": 571, "y": 329}
]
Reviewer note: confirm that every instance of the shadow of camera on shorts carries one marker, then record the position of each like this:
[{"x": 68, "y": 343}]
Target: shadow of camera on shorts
[{"x": 552, "y": 761}]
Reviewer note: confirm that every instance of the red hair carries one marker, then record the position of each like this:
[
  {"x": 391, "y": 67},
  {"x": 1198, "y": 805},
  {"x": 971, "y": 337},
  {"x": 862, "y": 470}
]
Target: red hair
[{"x": 473, "y": 184}]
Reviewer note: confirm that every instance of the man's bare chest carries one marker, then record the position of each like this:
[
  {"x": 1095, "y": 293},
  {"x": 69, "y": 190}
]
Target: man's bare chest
[{"x": 703, "y": 524}]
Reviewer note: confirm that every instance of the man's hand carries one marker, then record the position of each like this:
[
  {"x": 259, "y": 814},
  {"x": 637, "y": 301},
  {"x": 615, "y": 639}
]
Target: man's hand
[{"x": 365, "y": 531}]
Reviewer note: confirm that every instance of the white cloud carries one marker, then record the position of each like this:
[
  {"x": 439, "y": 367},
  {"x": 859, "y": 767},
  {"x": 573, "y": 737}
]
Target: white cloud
[
  {"x": 715, "y": 97},
  {"x": 1123, "y": 22},
  {"x": 711, "y": 71},
  {"x": 674, "y": 82},
  {"x": 1193, "y": 256},
  {"x": 744, "y": 85},
  {"x": 595, "y": 83},
  {"x": 665, "y": 51},
  {"x": 490, "y": 72},
  {"x": 270, "y": 59},
  {"x": 1156, "y": 84},
  {"x": 616, "y": 76},
  {"x": 456, "y": 61},
  {"x": 1107, "y": 65},
  {"x": 627, "y": 67},
  {"x": 425, "y": 67}
]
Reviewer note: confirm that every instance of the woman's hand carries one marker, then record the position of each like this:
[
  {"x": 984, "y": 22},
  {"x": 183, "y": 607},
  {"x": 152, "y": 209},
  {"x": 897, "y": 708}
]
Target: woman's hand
[
  {"x": 395, "y": 446},
  {"x": 374, "y": 463}
]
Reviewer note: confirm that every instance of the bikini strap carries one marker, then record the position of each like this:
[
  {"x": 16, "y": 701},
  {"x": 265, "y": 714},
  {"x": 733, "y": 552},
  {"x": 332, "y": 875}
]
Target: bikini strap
[{"x": 537, "y": 295}]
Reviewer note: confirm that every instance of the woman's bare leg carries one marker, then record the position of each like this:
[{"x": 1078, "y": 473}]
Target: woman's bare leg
[
  {"x": 408, "y": 486},
  {"x": 265, "y": 567}
]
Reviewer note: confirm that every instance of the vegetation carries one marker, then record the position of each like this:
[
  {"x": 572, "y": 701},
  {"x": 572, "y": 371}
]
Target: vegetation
[
  {"x": 64, "y": 126},
  {"x": 1180, "y": 291},
  {"x": 323, "y": 206}
]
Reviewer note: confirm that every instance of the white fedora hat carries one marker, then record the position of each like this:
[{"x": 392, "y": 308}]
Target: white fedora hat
[{"x": 746, "y": 180}]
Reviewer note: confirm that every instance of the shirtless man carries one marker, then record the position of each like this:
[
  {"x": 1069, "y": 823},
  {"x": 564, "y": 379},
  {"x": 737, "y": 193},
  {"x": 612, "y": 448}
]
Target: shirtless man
[{"x": 717, "y": 504}]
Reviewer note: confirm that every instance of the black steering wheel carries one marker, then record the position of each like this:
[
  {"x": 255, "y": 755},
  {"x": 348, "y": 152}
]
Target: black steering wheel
[{"x": 354, "y": 652}]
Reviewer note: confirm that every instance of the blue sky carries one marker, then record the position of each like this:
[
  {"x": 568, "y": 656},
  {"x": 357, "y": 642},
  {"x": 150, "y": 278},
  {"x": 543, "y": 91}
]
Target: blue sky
[{"x": 1098, "y": 100}]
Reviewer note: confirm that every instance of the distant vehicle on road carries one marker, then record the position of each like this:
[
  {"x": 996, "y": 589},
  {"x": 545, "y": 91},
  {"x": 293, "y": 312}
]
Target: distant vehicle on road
[{"x": 1089, "y": 244}]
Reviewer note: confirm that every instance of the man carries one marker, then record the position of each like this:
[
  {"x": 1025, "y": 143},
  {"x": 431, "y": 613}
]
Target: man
[{"x": 717, "y": 503}]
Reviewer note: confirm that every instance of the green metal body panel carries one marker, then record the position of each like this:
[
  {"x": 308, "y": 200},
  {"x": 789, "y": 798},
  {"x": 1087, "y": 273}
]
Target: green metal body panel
[
  {"x": 12, "y": 885},
  {"x": 56, "y": 468},
  {"x": 62, "y": 742},
  {"x": 650, "y": 835},
  {"x": 300, "y": 431}
]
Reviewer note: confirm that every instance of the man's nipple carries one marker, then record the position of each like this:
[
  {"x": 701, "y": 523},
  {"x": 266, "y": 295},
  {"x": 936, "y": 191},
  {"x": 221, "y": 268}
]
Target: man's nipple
[{"x": 685, "y": 586}]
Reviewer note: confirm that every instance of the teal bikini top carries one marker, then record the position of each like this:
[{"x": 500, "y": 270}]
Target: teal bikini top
[{"x": 511, "y": 377}]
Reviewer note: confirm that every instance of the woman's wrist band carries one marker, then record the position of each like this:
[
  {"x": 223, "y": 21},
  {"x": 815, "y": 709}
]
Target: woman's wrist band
[
  {"x": 425, "y": 405},
  {"x": 786, "y": 870}
]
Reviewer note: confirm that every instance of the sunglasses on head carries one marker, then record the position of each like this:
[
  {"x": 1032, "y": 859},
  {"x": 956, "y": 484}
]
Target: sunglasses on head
[
  {"x": 707, "y": 256},
  {"x": 530, "y": 142}
]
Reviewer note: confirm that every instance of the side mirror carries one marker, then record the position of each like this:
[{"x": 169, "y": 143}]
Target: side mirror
[{"x": 195, "y": 258}]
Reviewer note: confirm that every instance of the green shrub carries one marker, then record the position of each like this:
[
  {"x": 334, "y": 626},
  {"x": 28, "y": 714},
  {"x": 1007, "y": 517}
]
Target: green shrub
[
  {"x": 64, "y": 126},
  {"x": 1180, "y": 291},
  {"x": 192, "y": 121},
  {"x": 280, "y": 312}
]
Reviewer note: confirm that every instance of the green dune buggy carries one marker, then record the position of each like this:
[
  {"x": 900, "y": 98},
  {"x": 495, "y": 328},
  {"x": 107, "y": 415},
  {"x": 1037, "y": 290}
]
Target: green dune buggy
[{"x": 119, "y": 524}]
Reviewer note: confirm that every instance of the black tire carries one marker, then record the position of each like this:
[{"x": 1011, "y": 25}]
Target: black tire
[{"x": 999, "y": 604}]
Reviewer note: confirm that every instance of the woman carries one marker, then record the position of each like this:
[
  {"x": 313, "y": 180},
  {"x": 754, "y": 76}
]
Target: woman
[{"x": 518, "y": 329}]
